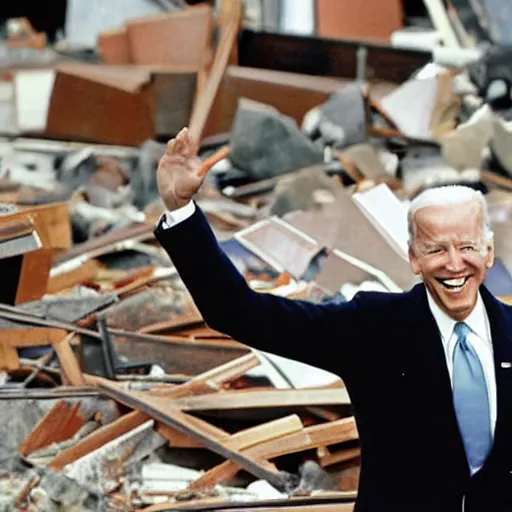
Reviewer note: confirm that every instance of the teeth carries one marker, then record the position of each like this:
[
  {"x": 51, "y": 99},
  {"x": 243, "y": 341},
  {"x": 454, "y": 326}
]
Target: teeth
[{"x": 455, "y": 282}]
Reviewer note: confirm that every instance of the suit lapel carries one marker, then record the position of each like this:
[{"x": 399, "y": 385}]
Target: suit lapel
[{"x": 500, "y": 321}]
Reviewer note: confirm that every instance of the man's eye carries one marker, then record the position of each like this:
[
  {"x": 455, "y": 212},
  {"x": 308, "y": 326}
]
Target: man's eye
[
  {"x": 467, "y": 248},
  {"x": 434, "y": 251}
]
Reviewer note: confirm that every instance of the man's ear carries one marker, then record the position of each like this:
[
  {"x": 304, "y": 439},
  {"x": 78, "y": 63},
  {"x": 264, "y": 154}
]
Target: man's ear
[
  {"x": 413, "y": 261},
  {"x": 490, "y": 256}
]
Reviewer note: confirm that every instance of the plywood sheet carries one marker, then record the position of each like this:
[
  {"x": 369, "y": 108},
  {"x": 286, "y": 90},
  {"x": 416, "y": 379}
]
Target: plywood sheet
[
  {"x": 358, "y": 20},
  {"x": 178, "y": 38}
]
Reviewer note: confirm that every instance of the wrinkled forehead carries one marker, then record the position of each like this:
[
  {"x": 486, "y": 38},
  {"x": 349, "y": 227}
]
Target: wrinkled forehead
[{"x": 454, "y": 222}]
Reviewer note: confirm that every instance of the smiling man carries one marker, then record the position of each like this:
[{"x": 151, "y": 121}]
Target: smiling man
[
  {"x": 451, "y": 246},
  {"x": 429, "y": 371}
]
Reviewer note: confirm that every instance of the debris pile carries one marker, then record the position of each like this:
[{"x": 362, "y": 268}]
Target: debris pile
[{"x": 116, "y": 395}]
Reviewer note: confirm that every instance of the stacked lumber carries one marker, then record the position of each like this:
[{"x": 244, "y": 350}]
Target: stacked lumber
[{"x": 74, "y": 435}]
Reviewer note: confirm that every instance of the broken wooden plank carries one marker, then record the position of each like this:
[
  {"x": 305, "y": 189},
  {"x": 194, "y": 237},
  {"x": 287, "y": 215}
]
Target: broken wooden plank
[
  {"x": 213, "y": 379},
  {"x": 20, "y": 336},
  {"x": 136, "y": 418},
  {"x": 310, "y": 438},
  {"x": 326, "y": 458},
  {"x": 61, "y": 422},
  {"x": 262, "y": 433},
  {"x": 307, "y": 439},
  {"x": 322, "y": 502},
  {"x": 101, "y": 469},
  {"x": 230, "y": 12},
  {"x": 68, "y": 361},
  {"x": 162, "y": 410},
  {"x": 251, "y": 399},
  {"x": 223, "y": 54},
  {"x": 98, "y": 438}
]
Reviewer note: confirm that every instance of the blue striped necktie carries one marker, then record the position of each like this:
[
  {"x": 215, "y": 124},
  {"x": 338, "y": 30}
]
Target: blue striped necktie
[{"x": 470, "y": 399}]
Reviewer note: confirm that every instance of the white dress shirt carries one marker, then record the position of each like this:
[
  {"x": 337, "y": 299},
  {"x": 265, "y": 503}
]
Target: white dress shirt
[
  {"x": 480, "y": 339},
  {"x": 178, "y": 215}
]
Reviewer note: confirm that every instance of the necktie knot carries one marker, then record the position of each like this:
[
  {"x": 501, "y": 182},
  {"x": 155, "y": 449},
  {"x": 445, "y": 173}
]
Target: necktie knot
[{"x": 461, "y": 330}]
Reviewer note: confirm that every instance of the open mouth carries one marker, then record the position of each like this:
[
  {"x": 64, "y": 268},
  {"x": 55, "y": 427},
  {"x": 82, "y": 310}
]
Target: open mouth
[{"x": 453, "y": 284}]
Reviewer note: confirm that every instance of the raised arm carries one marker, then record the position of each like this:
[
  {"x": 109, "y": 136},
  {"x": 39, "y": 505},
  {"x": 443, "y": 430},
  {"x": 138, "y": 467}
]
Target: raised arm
[{"x": 321, "y": 335}]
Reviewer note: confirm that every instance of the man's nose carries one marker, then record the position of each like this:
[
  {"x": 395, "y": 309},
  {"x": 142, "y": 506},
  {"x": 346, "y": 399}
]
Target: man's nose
[{"x": 455, "y": 261}]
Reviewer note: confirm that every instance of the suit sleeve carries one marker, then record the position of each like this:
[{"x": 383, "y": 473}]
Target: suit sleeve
[{"x": 321, "y": 335}]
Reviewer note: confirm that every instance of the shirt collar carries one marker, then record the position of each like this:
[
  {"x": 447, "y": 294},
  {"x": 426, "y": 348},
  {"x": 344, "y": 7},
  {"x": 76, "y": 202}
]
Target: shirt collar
[{"x": 476, "y": 321}]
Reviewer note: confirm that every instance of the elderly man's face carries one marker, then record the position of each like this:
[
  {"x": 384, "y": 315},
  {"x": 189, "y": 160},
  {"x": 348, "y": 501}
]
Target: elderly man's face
[{"x": 451, "y": 255}]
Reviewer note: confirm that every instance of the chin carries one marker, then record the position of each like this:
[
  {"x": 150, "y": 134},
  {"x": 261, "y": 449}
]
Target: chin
[
  {"x": 458, "y": 308},
  {"x": 461, "y": 308},
  {"x": 459, "y": 313}
]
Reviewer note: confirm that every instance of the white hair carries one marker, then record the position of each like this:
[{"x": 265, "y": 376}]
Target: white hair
[{"x": 449, "y": 196}]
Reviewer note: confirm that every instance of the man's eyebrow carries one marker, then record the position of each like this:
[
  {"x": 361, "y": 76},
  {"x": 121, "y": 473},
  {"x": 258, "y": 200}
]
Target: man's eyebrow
[{"x": 426, "y": 246}]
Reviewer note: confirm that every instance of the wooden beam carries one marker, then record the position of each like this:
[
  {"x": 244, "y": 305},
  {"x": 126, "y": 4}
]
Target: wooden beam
[
  {"x": 205, "y": 101},
  {"x": 310, "y": 438},
  {"x": 136, "y": 418},
  {"x": 326, "y": 458},
  {"x": 68, "y": 361},
  {"x": 263, "y": 433},
  {"x": 335, "y": 502},
  {"x": 249, "y": 399},
  {"x": 161, "y": 409},
  {"x": 306, "y": 439},
  {"x": 31, "y": 336},
  {"x": 213, "y": 379},
  {"x": 98, "y": 438}
]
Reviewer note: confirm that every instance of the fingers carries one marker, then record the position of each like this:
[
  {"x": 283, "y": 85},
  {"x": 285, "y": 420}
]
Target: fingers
[
  {"x": 182, "y": 144},
  {"x": 175, "y": 144}
]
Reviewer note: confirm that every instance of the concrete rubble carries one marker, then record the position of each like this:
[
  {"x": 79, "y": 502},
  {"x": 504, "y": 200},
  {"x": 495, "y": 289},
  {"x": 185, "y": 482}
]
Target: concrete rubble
[{"x": 114, "y": 393}]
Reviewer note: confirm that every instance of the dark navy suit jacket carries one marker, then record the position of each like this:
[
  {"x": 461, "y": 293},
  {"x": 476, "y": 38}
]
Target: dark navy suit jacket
[{"x": 387, "y": 349}]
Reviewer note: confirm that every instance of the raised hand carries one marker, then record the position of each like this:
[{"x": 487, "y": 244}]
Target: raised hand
[{"x": 179, "y": 175}]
